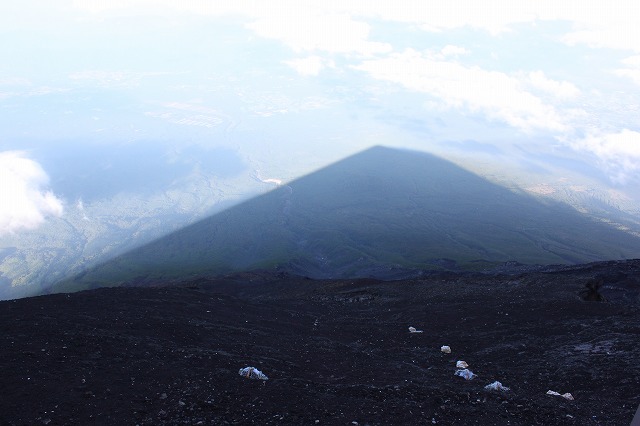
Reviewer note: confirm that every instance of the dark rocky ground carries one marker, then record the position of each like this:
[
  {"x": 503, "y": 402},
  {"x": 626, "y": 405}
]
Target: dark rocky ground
[{"x": 336, "y": 352}]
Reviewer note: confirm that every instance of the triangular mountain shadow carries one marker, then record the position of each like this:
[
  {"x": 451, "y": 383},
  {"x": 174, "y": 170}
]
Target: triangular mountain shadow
[{"x": 374, "y": 212}]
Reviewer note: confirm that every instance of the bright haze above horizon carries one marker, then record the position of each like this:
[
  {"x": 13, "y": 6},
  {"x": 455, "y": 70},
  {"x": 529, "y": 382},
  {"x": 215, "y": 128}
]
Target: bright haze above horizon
[{"x": 125, "y": 119}]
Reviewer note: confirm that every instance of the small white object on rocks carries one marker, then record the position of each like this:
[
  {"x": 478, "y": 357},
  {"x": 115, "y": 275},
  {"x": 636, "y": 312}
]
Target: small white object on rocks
[
  {"x": 445, "y": 349},
  {"x": 466, "y": 374},
  {"x": 496, "y": 386},
  {"x": 413, "y": 330},
  {"x": 461, "y": 364},
  {"x": 252, "y": 373},
  {"x": 564, "y": 395}
]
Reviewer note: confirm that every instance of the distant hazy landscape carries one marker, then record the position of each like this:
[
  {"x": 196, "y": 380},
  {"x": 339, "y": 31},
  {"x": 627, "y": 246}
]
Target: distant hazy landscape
[
  {"x": 383, "y": 213},
  {"x": 225, "y": 136}
]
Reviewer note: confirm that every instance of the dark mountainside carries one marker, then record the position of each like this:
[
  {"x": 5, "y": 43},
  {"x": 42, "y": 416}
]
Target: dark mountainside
[
  {"x": 335, "y": 351},
  {"x": 166, "y": 347},
  {"x": 383, "y": 213}
]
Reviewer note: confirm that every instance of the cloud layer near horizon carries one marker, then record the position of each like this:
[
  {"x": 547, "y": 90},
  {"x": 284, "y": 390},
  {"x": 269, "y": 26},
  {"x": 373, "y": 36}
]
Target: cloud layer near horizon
[
  {"x": 24, "y": 201},
  {"x": 533, "y": 96},
  {"x": 546, "y": 71}
]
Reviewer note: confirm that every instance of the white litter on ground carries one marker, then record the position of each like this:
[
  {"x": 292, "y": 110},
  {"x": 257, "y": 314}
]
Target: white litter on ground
[
  {"x": 413, "y": 330},
  {"x": 445, "y": 349},
  {"x": 252, "y": 373},
  {"x": 466, "y": 374},
  {"x": 461, "y": 364},
  {"x": 496, "y": 386},
  {"x": 564, "y": 395}
]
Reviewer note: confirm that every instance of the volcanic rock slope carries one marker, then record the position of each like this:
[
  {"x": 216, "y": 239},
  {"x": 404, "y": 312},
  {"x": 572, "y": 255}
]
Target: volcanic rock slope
[{"x": 335, "y": 351}]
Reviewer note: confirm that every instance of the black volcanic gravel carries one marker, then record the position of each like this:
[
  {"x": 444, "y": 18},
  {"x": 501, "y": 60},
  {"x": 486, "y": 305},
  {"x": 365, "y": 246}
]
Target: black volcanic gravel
[{"x": 335, "y": 352}]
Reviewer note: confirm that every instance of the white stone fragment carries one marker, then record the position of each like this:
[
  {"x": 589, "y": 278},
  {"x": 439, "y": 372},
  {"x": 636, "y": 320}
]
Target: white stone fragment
[
  {"x": 252, "y": 373},
  {"x": 461, "y": 364}
]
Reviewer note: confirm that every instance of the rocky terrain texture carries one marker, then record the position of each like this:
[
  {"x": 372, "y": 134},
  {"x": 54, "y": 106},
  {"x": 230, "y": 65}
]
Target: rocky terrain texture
[{"x": 335, "y": 351}]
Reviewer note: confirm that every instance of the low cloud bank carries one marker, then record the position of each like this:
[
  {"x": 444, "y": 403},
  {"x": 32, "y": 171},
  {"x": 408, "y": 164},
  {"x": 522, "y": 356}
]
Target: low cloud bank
[
  {"x": 619, "y": 152},
  {"x": 24, "y": 200}
]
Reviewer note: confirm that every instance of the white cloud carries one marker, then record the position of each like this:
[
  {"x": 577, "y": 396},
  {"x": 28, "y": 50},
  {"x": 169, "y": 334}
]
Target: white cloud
[
  {"x": 311, "y": 65},
  {"x": 304, "y": 29},
  {"x": 633, "y": 69},
  {"x": 595, "y": 23},
  {"x": 605, "y": 25},
  {"x": 491, "y": 15},
  {"x": 24, "y": 204},
  {"x": 309, "y": 25},
  {"x": 632, "y": 61},
  {"x": 559, "y": 89},
  {"x": 168, "y": 7},
  {"x": 81, "y": 209},
  {"x": 495, "y": 94},
  {"x": 451, "y": 50},
  {"x": 619, "y": 153},
  {"x": 633, "y": 74}
]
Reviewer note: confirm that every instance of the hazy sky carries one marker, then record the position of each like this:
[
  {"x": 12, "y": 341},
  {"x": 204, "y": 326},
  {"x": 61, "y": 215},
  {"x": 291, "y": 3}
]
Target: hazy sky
[{"x": 289, "y": 86}]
